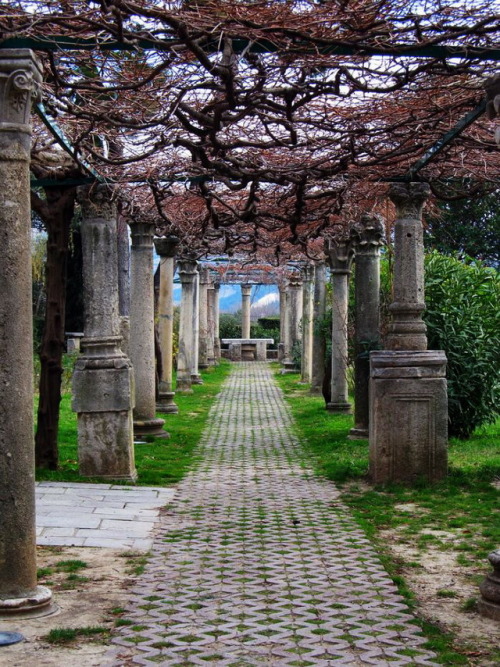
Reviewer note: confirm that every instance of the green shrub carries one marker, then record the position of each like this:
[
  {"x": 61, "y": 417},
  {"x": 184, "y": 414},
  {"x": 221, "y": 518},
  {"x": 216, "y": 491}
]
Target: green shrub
[
  {"x": 230, "y": 325},
  {"x": 463, "y": 319}
]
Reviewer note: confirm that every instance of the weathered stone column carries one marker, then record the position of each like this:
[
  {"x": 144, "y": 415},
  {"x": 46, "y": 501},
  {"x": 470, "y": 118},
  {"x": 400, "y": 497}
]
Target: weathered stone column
[
  {"x": 408, "y": 399},
  {"x": 217, "y": 346},
  {"x": 166, "y": 248},
  {"x": 283, "y": 313},
  {"x": 20, "y": 76},
  {"x": 318, "y": 341},
  {"x": 203, "y": 318},
  {"x": 142, "y": 345},
  {"x": 246, "y": 292},
  {"x": 307, "y": 322},
  {"x": 293, "y": 319},
  {"x": 367, "y": 237},
  {"x": 188, "y": 276},
  {"x": 489, "y": 604},
  {"x": 103, "y": 378},
  {"x": 211, "y": 325},
  {"x": 195, "y": 375},
  {"x": 340, "y": 255}
]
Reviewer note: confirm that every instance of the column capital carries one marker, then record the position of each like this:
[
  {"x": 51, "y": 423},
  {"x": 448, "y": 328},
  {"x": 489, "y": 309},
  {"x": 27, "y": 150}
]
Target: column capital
[
  {"x": 307, "y": 273},
  {"x": 295, "y": 282},
  {"x": 187, "y": 270},
  {"x": 96, "y": 201},
  {"x": 246, "y": 290},
  {"x": 166, "y": 246},
  {"x": 204, "y": 275},
  {"x": 216, "y": 285},
  {"x": 409, "y": 198},
  {"x": 20, "y": 78},
  {"x": 367, "y": 235},
  {"x": 340, "y": 254},
  {"x": 142, "y": 234}
]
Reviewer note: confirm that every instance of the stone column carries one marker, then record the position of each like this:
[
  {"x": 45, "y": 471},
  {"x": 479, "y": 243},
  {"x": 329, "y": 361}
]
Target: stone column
[
  {"x": 340, "y": 255},
  {"x": 281, "y": 343},
  {"x": 294, "y": 316},
  {"x": 103, "y": 378},
  {"x": 307, "y": 322},
  {"x": 142, "y": 341},
  {"x": 367, "y": 237},
  {"x": 195, "y": 375},
  {"x": 166, "y": 248},
  {"x": 489, "y": 604},
  {"x": 211, "y": 325},
  {"x": 217, "y": 346},
  {"x": 188, "y": 276},
  {"x": 318, "y": 342},
  {"x": 408, "y": 399},
  {"x": 246, "y": 292},
  {"x": 203, "y": 318},
  {"x": 20, "y": 76}
]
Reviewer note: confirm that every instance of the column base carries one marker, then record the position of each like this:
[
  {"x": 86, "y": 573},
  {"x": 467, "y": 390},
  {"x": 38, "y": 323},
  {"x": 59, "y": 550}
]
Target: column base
[
  {"x": 339, "y": 407},
  {"x": 145, "y": 427},
  {"x": 196, "y": 378},
  {"x": 204, "y": 365},
  {"x": 358, "y": 434},
  {"x": 408, "y": 416},
  {"x": 166, "y": 403},
  {"x": 38, "y": 604},
  {"x": 289, "y": 367}
]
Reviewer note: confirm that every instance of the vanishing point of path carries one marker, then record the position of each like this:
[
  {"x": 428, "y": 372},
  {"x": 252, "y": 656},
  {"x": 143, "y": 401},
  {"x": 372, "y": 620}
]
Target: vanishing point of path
[{"x": 257, "y": 562}]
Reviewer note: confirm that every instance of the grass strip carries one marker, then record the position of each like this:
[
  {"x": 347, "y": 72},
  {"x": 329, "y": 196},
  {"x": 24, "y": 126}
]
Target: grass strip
[{"x": 160, "y": 462}]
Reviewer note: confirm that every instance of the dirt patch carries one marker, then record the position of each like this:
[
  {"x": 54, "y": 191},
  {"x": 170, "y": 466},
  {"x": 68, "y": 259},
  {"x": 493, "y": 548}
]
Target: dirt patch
[
  {"x": 81, "y": 604},
  {"x": 443, "y": 588}
]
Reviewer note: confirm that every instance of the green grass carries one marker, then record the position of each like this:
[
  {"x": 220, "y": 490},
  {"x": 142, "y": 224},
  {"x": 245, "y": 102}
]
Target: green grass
[
  {"x": 68, "y": 635},
  {"x": 465, "y": 505},
  {"x": 161, "y": 462}
]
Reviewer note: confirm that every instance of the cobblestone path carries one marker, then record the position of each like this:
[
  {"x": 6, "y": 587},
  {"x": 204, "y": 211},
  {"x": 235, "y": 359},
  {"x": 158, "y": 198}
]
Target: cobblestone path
[{"x": 257, "y": 561}]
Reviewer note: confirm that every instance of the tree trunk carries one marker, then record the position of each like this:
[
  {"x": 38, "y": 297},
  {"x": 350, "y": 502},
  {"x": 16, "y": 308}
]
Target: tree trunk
[{"x": 56, "y": 213}]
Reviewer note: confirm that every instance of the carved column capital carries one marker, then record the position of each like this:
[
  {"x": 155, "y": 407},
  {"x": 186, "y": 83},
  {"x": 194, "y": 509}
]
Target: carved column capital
[
  {"x": 204, "y": 275},
  {"x": 367, "y": 235},
  {"x": 141, "y": 234},
  {"x": 246, "y": 290},
  {"x": 409, "y": 198},
  {"x": 307, "y": 272},
  {"x": 166, "y": 246},
  {"x": 20, "y": 79},
  {"x": 187, "y": 270},
  {"x": 96, "y": 202},
  {"x": 340, "y": 254}
]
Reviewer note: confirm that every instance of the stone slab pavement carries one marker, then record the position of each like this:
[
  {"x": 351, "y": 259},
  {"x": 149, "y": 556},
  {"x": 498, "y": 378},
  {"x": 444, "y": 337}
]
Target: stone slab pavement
[
  {"x": 258, "y": 562},
  {"x": 98, "y": 515}
]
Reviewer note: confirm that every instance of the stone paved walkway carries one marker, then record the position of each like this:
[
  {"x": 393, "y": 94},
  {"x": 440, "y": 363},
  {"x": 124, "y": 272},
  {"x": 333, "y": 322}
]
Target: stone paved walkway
[
  {"x": 98, "y": 515},
  {"x": 258, "y": 562}
]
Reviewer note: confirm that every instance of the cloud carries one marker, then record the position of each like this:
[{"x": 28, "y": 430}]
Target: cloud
[{"x": 266, "y": 300}]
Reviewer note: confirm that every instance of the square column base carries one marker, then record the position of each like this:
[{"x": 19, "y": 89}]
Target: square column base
[{"x": 408, "y": 416}]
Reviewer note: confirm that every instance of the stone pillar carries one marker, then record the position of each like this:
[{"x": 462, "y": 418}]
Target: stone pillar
[
  {"x": 408, "y": 399},
  {"x": 281, "y": 343},
  {"x": 188, "y": 276},
  {"x": 195, "y": 375},
  {"x": 166, "y": 248},
  {"x": 340, "y": 255},
  {"x": 367, "y": 237},
  {"x": 293, "y": 319},
  {"x": 103, "y": 378},
  {"x": 307, "y": 322},
  {"x": 142, "y": 334},
  {"x": 203, "y": 318},
  {"x": 318, "y": 341},
  {"x": 246, "y": 292},
  {"x": 211, "y": 325},
  {"x": 217, "y": 345},
  {"x": 20, "y": 76}
]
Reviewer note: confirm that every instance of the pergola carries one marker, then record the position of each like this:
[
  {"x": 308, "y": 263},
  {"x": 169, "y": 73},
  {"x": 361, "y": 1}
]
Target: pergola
[{"x": 256, "y": 127}]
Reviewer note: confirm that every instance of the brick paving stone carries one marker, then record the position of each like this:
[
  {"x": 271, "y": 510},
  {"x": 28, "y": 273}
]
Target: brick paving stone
[{"x": 258, "y": 562}]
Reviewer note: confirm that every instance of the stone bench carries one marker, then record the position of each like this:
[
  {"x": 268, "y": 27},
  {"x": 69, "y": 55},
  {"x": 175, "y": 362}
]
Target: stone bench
[{"x": 247, "y": 349}]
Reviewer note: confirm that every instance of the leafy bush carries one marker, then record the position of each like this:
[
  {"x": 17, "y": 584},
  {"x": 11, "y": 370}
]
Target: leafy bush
[
  {"x": 230, "y": 325},
  {"x": 463, "y": 319}
]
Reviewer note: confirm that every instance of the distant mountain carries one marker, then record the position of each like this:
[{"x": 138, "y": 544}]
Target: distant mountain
[{"x": 264, "y": 299}]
